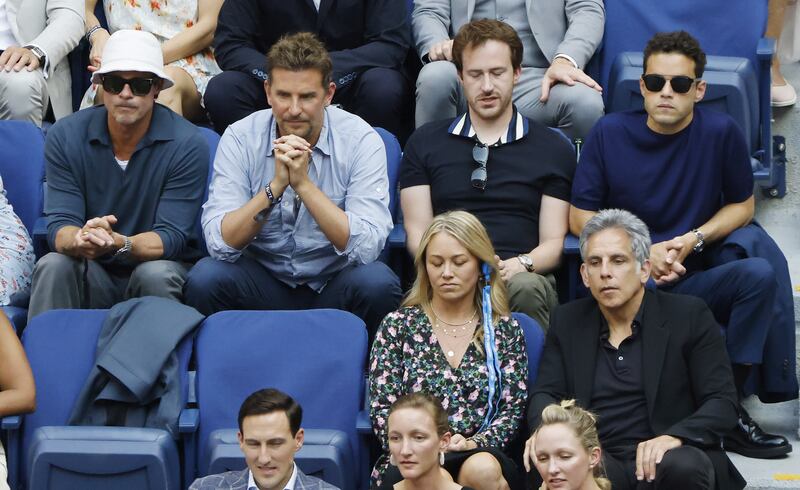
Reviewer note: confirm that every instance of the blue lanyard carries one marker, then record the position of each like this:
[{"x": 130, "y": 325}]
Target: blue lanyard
[{"x": 492, "y": 362}]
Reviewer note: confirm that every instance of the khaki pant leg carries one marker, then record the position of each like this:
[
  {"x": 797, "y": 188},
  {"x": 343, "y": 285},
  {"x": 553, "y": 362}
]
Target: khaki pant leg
[
  {"x": 23, "y": 95},
  {"x": 533, "y": 294}
]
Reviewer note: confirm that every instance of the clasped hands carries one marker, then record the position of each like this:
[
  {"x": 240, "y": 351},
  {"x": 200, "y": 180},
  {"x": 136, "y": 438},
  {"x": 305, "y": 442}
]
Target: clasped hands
[
  {"x": 649, "y": 454},
  {"x": 666, "y": 258},
  {"x": 460, "y": 443},
  {"x": 292, "y": 155},
  {"x": 96, "y": 238}
]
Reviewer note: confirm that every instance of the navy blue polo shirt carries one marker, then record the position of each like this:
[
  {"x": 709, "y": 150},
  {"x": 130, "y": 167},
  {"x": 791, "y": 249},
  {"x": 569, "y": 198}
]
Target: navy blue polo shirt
[
  {"x": 161, "y": 189},
  {"x": 529, "y": 161},
  {"x": 674, "y": 183}
]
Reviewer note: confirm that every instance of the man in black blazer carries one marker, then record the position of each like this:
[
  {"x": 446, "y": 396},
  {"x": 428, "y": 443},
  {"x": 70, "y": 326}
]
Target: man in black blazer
[
  {"x": 651, "y": 365},
  {"x": 368, "y": 42}
]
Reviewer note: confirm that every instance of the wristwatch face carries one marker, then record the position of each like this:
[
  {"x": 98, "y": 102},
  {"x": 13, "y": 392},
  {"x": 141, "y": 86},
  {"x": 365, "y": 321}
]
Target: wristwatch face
[{"x": 526, "y": 261}]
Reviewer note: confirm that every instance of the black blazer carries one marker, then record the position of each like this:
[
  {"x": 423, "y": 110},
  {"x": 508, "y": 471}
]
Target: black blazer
[
  {"x": 687, "y": 375},
  {"x": 359, "y": 34}
]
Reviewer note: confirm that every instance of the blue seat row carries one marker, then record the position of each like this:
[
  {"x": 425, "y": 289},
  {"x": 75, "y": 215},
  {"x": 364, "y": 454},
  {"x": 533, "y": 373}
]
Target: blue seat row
[{"x": 317, "y": 356}]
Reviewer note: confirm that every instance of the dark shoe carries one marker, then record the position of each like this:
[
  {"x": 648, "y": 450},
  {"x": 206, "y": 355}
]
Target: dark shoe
[{"x": 749, "y": 440}]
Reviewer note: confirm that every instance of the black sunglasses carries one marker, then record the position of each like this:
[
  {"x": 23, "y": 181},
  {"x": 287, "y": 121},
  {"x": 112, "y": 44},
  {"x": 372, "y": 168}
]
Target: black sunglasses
[
  {"x": 480, "y": 153},
  {"x": 680, "y": 84},
  {"x": 139, "y": 86}
]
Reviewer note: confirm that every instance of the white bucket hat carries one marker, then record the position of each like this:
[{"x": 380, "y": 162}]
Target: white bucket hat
[{"x": 130, "y": 50}]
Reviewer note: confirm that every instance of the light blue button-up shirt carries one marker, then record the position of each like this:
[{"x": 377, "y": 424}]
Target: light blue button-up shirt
[{"x": 348, "y": 164}]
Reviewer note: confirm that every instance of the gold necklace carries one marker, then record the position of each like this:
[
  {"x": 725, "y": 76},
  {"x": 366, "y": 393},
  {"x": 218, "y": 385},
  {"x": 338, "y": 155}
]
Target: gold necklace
[{"x": 456, "y": 333}]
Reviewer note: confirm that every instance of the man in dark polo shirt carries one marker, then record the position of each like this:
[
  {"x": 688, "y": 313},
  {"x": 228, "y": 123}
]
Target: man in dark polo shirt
[
  {"x": 685, "y": 171},
  {"x": 514, "y": 174},
  {"x": 651, "y": 365},
  {"x": 124, "y": 187}
]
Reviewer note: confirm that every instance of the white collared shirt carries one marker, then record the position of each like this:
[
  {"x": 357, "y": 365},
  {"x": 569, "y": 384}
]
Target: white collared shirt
[
  {"x": 316, "y": 3},
  {"x": 251, "y": 482}
]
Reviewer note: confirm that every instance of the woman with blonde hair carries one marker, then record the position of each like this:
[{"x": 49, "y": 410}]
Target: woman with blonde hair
[
  {"x": 453, "y": 339},
  {"x": 567, "y": 449}
]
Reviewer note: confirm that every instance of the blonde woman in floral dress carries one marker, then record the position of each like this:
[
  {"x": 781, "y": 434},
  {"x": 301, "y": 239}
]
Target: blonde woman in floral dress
[
  {"x": 185, "y": 29},
  {"x": 448, "y": 342}
]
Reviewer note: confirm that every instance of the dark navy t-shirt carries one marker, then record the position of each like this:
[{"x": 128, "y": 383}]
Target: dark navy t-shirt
[{"x": 674, "y": 183}]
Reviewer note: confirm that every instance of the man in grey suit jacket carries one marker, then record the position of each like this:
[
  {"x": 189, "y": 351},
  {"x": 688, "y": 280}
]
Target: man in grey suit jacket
[
  {"x": 559, "y": 38},
  {"x": 269, "y": 435},
  {"x": 35, "y": 38}
]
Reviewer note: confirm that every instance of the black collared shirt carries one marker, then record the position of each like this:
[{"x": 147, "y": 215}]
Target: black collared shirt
[{"x": 618, "y": 396}]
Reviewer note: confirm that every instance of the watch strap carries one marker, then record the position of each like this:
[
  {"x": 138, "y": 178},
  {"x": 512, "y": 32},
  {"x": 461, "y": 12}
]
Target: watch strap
[
  {"x": 264, "y": 213},
  {"x": 701, "y": 241}
]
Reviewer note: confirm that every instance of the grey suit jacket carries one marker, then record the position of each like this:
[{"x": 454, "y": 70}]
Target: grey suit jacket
[
  {"x": 571, "y": 27},
  {"x": 56, "y": 26},
  {"x": 237, "y": 480}
]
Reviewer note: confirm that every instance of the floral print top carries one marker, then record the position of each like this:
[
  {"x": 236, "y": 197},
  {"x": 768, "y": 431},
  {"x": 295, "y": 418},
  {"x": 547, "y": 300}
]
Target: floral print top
[
  {"x": 164, "y": 19},
  {"x": 406, "y": 357},
  {"x": 16, "y": 252}
]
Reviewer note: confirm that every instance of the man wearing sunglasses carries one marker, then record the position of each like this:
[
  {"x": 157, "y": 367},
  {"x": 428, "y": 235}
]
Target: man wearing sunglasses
[
  {"x": 686, "y": 172},
  {"x": 124, "y": 186},
  {"x": 514, "y": 174}
]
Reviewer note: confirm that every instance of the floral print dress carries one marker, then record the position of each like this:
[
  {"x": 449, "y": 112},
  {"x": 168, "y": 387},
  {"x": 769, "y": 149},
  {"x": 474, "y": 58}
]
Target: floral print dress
[
  {"x": 16, "y": 252},
  {"x": 164, "y": 19},
  {"x": 406, "y": 357}
]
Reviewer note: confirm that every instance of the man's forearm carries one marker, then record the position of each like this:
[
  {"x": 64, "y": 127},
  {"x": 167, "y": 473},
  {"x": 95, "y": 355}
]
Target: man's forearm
[
  {"x": 578, "y": 219},
  {"x": 239, "y": 227},
  {"x": 729, "y": 218},
  {"x": 547, "y": 255},
  {"x": 65, "y": 240},
  {"x": 144, "y": 246},
  {"x": 331, "y": 220}
]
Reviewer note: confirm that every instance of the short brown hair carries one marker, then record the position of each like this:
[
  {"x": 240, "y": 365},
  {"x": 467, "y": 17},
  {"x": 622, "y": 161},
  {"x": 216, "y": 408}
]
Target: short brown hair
[
  {"x": 300, "y": 51},
  {"x": 478, "y": 32}
]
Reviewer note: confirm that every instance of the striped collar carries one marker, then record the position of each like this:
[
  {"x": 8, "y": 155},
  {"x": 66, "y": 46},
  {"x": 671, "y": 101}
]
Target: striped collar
[{"x": 517, "y": 128}]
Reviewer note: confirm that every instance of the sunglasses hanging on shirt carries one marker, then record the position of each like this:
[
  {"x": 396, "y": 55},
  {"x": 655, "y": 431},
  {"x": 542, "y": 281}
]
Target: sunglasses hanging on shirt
[{"x": 480, "y": 153}]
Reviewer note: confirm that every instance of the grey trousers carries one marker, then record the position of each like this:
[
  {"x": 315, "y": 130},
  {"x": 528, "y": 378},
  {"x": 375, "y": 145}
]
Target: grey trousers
[
  {"x": 23, "y": 95},
  {"x": 573, "y": 109},
  {"x": 533, "y": 294},
  {"x": 58, "y": 283}
]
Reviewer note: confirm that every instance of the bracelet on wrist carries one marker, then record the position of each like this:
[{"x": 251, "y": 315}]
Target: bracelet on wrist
[{"x": 91, "y": 31}]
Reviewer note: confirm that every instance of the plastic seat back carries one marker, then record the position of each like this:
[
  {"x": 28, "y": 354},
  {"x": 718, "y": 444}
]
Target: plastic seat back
[
  {"x": 22, "y": 169},
  {"x": 60, "y": 346},
  {"x": 534, "y": 343},
  {"x": 316, "y": 356}
]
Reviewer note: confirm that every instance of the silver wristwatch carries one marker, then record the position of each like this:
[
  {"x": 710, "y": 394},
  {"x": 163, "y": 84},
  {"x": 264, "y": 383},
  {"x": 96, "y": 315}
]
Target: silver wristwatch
[
  {"x": 37, "y": 51},
  {"x": 125, "y": 249},
  {"x": 526, "y": 261},
  {"x": 701, "y": 242}
]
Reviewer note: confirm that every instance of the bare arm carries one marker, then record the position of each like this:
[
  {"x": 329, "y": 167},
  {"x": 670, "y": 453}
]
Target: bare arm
[
  {"x": 578, "y": 218},
  {"x": 417, "y": 214},
  {"x": 17, "y": 388},
  {"x": 553, "y": 217},
  {"x": 197, "y": 37}
]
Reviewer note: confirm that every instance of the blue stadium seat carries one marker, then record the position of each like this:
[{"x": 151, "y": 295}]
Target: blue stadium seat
[
  {"x": 61, "y": 347},
  {"x": 534, "y": 343},
  {"x": 22, "y": 169},
  {"x": 212, "y": 138},
  {"x": 631, "y": 23},
  {"x": 316, "y": 356},
  {"x": 394, "y": 156}
]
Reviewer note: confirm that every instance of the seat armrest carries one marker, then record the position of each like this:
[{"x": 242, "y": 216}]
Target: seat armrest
[
  {"x": 189, "y": 420},
  {"x": 765, "y": 49},
  {"x": 11, "y": 422},
  {"x": 363, "y": 423}
]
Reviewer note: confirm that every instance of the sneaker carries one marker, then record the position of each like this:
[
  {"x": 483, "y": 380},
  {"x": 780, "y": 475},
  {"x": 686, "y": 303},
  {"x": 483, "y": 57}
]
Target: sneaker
[
  {"x": 748, "y": 439},
  {"x": 783, "y": 95}
]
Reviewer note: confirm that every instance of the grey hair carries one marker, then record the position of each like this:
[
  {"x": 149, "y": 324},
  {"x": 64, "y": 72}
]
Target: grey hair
[{"x": 624, "y": 220}]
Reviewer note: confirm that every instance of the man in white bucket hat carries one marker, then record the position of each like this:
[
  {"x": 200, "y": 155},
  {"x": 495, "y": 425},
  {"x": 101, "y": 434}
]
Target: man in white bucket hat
[{"x": 124, "y": 186}]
